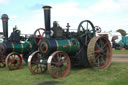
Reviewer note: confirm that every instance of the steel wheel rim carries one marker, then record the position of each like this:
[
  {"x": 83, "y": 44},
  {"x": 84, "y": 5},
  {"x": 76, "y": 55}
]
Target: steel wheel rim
[
  {"x": 99, "y": 52},
  {"x": 14, "y": 61},
  {"x": 34, "y": 63},
  {"x": 61, "y": 68},
  {"x": 107, "y": 60}
]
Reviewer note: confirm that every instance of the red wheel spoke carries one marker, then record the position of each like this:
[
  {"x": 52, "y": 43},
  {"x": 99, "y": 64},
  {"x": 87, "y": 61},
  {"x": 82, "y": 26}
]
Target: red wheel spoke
[
  {"x": 34, "y": 62},
  {"x": 98, "y": 56},
  {"x": 57, "y": 70},
  {"x": 38, "y": 55},
  {"x": 37, "y": 37},
  {"x": 97, "y": 51},
  {"x": 98, "y": 46},
  {"x": 39, "y": 33},
  {"x": 41, "y": 69},
  {"x": 54, "y": 63},
  {"x": 58, "y": 58},
  {"x": 35, "y": 68},
  {"x": 39, "y": 42},
  {"x": 42, "y": 35},
  {"x": 100, "y": 42},
  {"x": 104, "y": 46},
  {"x": 12, "y": 57},
  {"x": 18, "y": 59}
]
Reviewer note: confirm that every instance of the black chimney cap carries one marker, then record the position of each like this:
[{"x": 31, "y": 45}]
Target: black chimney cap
[
  {"x": 4, "y": 16},
  {"x": 46, "y": 7}
]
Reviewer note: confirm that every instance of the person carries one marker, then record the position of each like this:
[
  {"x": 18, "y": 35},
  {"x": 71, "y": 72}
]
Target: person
[
  {"x": 15, "y": 35},
  {"x": 57, "y": 30}
]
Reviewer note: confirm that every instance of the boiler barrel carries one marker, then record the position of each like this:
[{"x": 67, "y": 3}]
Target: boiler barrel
[
  {"x": 47, "y": 46},
  {"x": 8, "y": 47}
]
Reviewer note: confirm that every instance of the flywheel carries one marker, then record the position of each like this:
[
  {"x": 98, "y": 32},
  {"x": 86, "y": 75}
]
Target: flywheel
[{"x": 99, "y": 52}]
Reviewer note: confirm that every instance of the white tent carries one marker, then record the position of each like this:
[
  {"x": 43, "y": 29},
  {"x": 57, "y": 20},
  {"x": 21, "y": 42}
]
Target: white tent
[{"x": 111, "y": 35}]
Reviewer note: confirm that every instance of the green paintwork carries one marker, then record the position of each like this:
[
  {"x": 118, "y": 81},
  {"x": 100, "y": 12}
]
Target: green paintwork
[
  {"x": 76, "y": 47},
  {"x": 62, "y": 43},
  {"x": 23, "y": 47},
  {"x": 68, "y": 46}
]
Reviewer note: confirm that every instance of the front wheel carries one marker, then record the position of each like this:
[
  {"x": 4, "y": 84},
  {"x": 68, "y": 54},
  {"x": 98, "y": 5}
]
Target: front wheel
[
  {"x": 36, "y": 63},
  {"x": 14, "y": 61},
  {"x": 59, "y": 64}
]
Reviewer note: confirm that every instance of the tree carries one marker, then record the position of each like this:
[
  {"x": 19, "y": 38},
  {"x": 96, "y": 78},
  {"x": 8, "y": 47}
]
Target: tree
[{"x": 122, "y": 32}]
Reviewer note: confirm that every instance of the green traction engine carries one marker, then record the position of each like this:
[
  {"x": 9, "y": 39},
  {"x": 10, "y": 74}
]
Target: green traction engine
[
  {"x": 15, "y": 48},
  {"x": 60, "y": 49}
]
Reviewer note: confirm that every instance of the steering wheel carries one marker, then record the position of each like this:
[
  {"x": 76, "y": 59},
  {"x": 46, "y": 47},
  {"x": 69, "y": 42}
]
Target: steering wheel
[
  {"x": 38, "y": 35},
  {"x": 98, "y": 29},
  {"x": 86, "y": 31}
]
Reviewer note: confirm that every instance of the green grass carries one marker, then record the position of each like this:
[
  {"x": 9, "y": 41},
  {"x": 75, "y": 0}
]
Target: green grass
[
  {"x": 120, "y": 51},
  {"x": 116, "y": 74}
]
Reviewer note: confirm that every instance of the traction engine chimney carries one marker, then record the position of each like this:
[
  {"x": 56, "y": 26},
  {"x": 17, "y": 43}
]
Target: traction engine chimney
[
  {"x": 5, "y": 26},
  {"x": 47, "y": 20}
]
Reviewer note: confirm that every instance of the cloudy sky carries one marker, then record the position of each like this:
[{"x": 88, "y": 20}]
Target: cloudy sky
[{"x": 28, "y": 14}]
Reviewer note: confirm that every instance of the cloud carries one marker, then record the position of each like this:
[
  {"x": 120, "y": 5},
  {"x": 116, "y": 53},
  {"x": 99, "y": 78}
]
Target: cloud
[
  {"x": 35, "y": 7},
  {"x": 105, "y": 6},
  {"x": 4, "y": 1},
  {"x": 13, "y": 17},
  {"x": 104, "y": 13},
  {"x": 110, "y": 14},
  {"x": 35, "y": 21},
  {"x": 68, "y": 9},
  {"x": 124, "y": 5}
]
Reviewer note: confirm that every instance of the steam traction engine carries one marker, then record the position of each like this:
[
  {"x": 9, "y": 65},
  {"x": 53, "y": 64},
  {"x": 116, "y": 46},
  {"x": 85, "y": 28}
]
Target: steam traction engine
[
  {"x": 12, "y": 50},
  {"x": 63, "y": 49}
]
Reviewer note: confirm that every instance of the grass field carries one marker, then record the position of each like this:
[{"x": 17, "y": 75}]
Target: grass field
[
  {"x": 116, "y": 74},
  {"x": 120, "y": 51}
]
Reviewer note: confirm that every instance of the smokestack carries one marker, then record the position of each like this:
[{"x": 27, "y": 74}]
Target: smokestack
[
  {"x": 47, "y": 20},
  {"x": 5, "y": 26}
]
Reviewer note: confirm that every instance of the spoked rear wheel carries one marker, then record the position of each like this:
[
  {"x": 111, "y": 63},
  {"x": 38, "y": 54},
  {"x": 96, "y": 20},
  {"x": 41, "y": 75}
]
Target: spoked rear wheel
[
  {"x": 59, "y": 64},
  {"x": 99, "y": 52},
  {"x": 36, "y": 63},
  {"x": 14, "y": 61}
]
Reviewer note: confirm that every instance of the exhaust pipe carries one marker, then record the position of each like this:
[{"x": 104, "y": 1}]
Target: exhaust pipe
[
  {"x": 47, "y": 20},
  {"x": 5, "y": 26}
]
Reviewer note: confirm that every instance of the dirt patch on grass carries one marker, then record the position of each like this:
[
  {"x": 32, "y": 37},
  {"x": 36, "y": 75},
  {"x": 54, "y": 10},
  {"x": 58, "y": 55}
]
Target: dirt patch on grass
[{"x": 120, "y": 58}]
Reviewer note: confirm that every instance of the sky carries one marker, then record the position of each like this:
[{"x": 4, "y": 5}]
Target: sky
[{"x": 28, "y": 15}]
